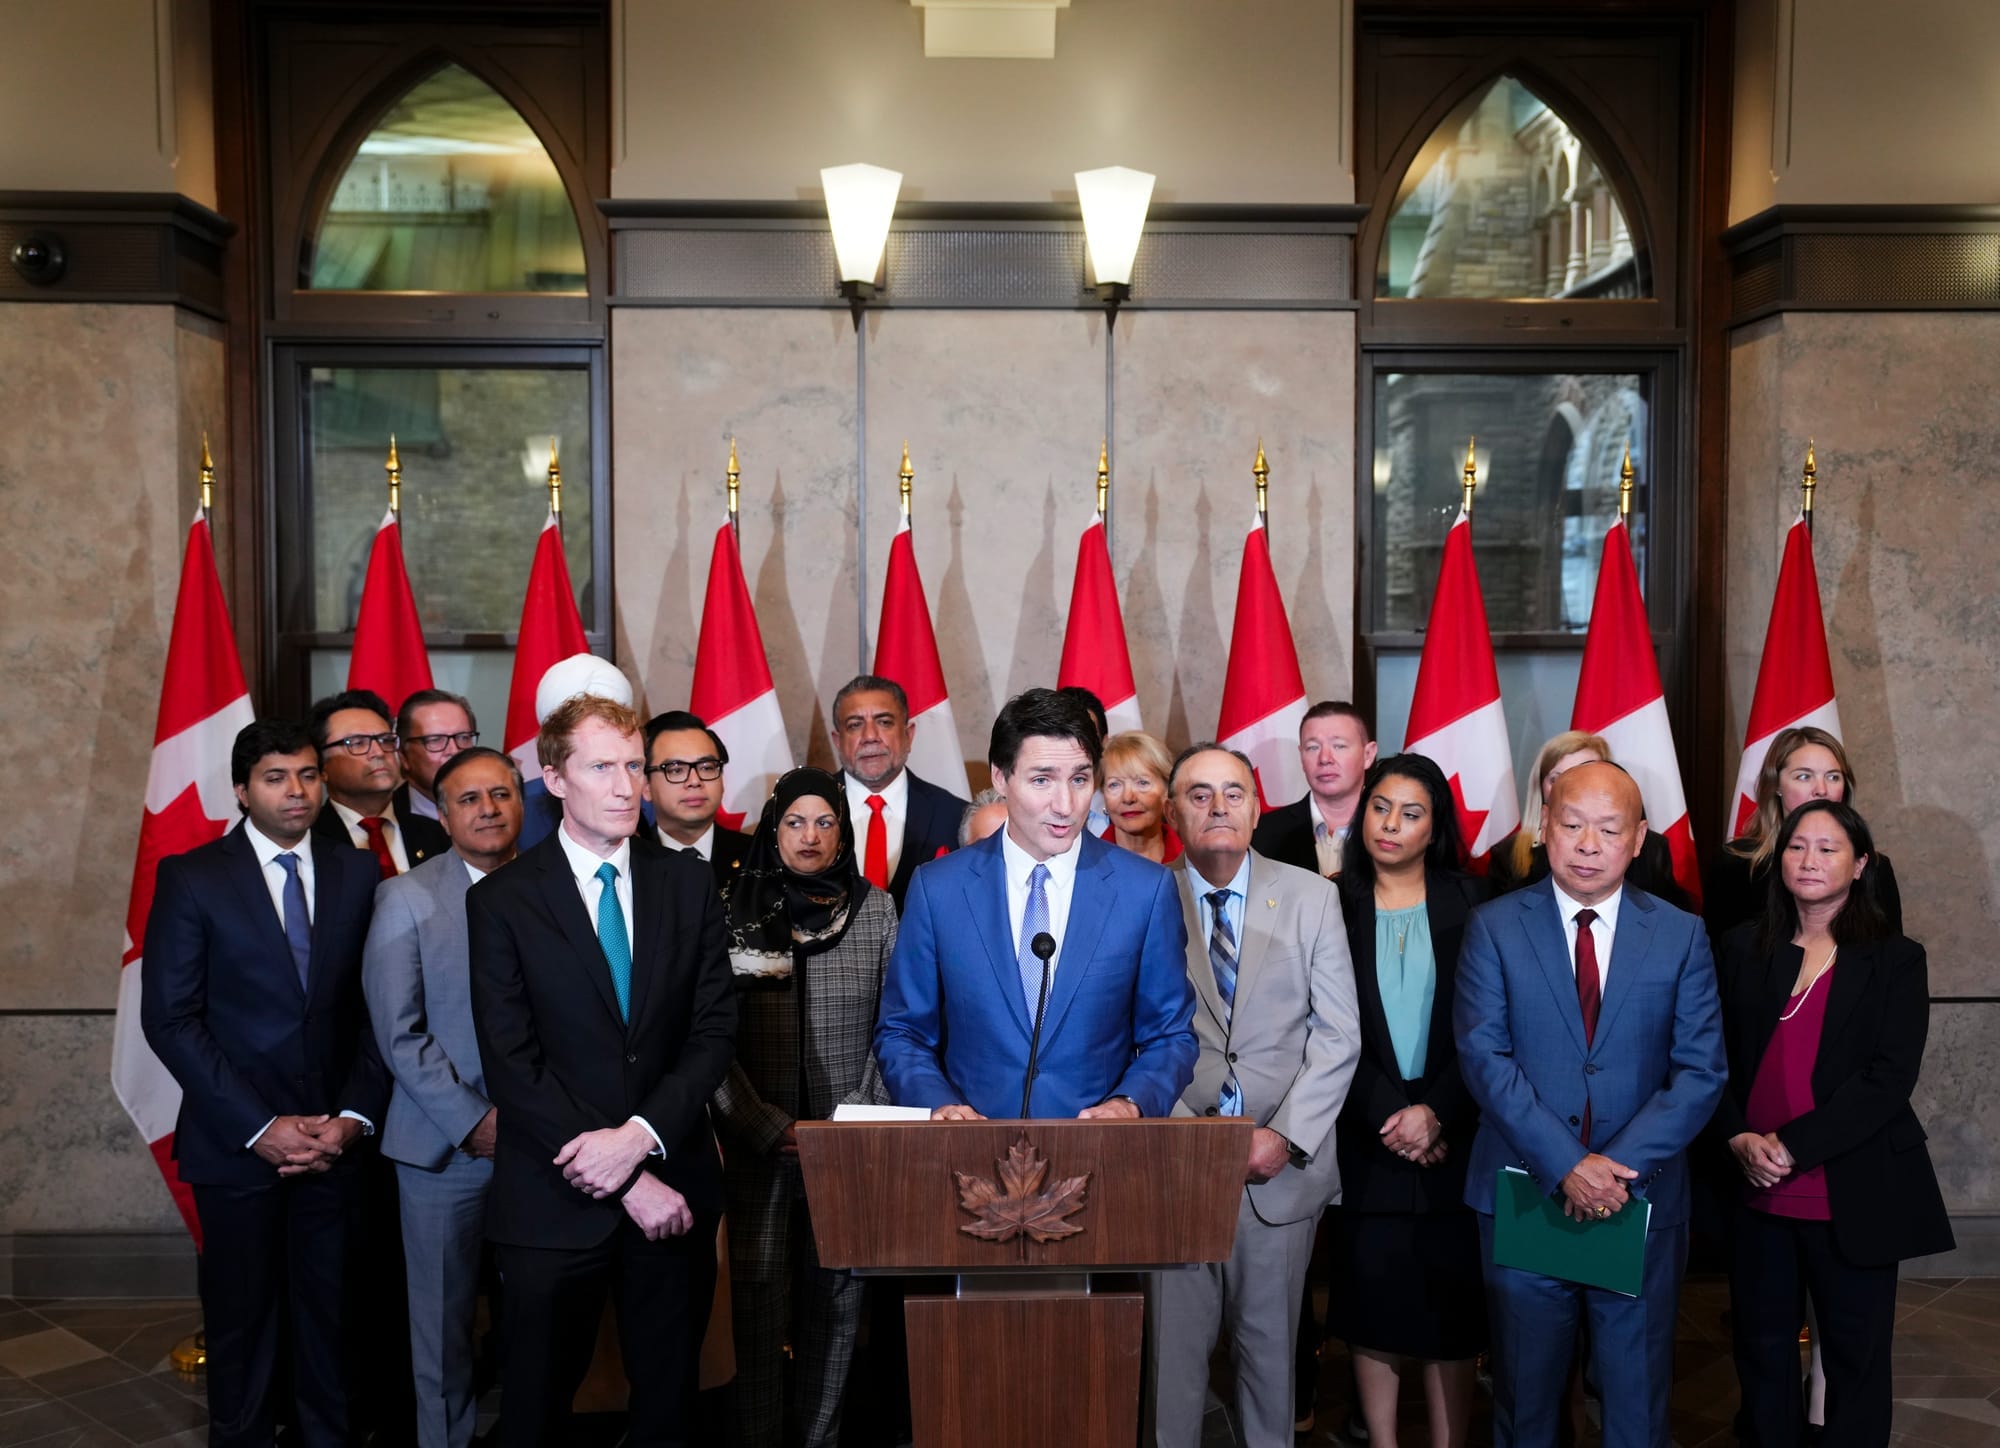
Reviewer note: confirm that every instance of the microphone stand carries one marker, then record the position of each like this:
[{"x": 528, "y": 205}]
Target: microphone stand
[{"x": 1044, "y": 947}]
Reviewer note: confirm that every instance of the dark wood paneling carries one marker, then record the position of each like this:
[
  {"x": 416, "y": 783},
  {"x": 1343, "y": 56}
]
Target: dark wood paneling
[
  {"x": 118, "y": 246},
  {"x": 1861, "y": 259}
]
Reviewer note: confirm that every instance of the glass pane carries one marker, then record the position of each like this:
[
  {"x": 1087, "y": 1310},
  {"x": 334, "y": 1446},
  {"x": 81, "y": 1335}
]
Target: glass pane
[
  {"x": 474, "y": 443},
  {"x": 1537, "y": 693},
  {"x": 1504, "y": 201},
  {"x": 451, "y": 192},
  {"x": 1549, "y": 448}
]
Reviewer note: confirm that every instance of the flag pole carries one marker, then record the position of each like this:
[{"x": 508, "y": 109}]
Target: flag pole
[
  {"x": 1104, "y": 481},
  {"x": 734, "y": 477},
  {"x": 207, "y": 478},
  {"x": 555, "y": 485},
  {"x": 1261, "y": 471},
  {"x": 1625, "y": 485},
  {"x": 904, "y": 475},
  {"x": 1471, "y": 478},
  {"x": 1807, "y": 482},
  {"x": 394, "y": 468}
]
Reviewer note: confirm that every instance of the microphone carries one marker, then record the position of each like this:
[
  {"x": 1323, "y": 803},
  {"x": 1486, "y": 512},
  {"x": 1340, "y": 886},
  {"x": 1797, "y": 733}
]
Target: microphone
[{"x": 1044, "y": 947}]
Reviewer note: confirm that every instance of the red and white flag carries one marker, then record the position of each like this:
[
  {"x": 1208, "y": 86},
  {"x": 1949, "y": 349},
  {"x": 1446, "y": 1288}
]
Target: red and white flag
[
  {"x": 189, "y": 802},
  {"x": 1795, "y": 677},
  {"x": 1263, "y": 692},
  {"x": 1094, "y": 655},
  {"x": 906, "y": 652},
  {"x": 1618, "y": 696},
  {"x": 732, "y": 690},
  {"x": 1455, "y": 716},
  {"x": 389, "y": 655},
  {"x": 551, "y": 631}
]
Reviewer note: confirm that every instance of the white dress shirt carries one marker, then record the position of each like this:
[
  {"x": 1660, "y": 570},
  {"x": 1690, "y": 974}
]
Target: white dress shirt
[
  {"x": 895, "y": 809},
  {"x": 472, "y": 871},
  {"x": 391, "y": 832},
  {"x": 705, "y": 846},
  {"x": 583, "y": 864},
  {"x": 1602, "y": 929},
  {"x": 1329, "y": 840},
  {"x": 1059, "y": 888},
  {"x": 423, "y": 804}
]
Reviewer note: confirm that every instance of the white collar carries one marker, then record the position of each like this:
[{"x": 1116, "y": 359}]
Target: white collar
[
  {"x": 583, "y": 863},
  {"x": 705, "y": 846},
  {"x": 1607, "y": 908},
  {"x": 267, "y": 849},
  {"x": 1020, "y": 864},
  {"x": 895, "y": 795},
  {"x": 353, "y": 817}
]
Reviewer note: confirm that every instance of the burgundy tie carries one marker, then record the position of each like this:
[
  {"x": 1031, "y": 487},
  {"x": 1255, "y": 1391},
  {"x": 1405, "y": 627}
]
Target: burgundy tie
[
  {"x": 1589, "y": 992},
  {"x": 385, "y": 860}
]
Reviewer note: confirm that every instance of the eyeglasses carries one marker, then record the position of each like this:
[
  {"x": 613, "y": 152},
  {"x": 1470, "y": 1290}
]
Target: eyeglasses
[
  {"x": 676, "y": 771},
  {"x": 358, "y": 743},
  {"x": 440, "y": 743}
]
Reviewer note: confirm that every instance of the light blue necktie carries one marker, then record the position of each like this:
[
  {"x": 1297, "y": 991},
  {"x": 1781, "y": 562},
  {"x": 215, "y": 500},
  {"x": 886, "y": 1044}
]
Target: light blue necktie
[
  {"x": 612, "y": 940},
  {"x": 1034, "y": 921},
  {"x": 298, "y": 924},
  {"x": 1222, "y": 960}
]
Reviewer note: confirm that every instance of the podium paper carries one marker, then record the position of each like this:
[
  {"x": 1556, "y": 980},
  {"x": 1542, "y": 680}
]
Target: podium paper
[
  {"x": 847, "y": 1112},
  {"x": 1531, "y": 1233}
]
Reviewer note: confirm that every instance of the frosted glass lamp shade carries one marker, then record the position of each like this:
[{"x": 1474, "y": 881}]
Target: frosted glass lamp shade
[
  {"x": 1114, "y": 213},
  {"x": 860, "y": 199}
]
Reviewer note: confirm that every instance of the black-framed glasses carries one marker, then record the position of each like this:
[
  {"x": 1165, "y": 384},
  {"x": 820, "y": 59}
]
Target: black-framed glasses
[
  {"x": 438, "y": 743},
  {"x": 358, "y": 743},
  {"x": 675, "y": 771}
]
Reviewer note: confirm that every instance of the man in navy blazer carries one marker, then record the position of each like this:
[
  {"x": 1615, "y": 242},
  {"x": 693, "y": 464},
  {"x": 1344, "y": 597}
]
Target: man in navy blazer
[
  {"x": 251, "y": 998},
  {"x": 1589, "y": 1033},
  {"x": 959, "y": 1000}
]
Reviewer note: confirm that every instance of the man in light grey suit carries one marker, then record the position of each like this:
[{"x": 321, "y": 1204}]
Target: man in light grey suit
[
  {"x": 1276, "y": 1018},
  {"x": 440, "y": 1129}
]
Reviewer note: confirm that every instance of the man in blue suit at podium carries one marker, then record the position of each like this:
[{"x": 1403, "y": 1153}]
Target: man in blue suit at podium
[{"x": 963, "y": 987}]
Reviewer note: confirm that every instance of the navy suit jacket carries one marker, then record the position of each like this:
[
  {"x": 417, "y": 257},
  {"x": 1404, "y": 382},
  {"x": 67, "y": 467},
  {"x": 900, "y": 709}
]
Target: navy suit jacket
[
  {"x": 222, "y": 1008},
  {"x": 1652, "y": 1075},
  {"x": 955, "y": 1027},
  {"x": 931, "y": 818}
]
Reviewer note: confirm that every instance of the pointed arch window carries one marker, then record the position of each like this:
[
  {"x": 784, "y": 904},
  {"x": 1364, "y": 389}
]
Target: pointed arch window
[
  {"x": 450, "y": 191},
  {"x": 1505, "y": 200}
]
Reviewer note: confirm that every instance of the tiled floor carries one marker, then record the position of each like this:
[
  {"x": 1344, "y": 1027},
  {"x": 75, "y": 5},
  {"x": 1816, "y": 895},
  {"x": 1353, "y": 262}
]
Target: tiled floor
[{"x": 80, "y": 1373}]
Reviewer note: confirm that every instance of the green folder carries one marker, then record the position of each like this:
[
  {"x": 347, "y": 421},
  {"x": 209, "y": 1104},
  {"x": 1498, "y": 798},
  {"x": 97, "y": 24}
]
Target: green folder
[{"x": 1531, "y": 1233}]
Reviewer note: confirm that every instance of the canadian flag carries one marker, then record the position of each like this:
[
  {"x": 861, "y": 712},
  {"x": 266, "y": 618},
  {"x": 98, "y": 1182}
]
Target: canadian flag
[
  {"x": 1795, "y": 676},
  {"x": 1618, "y": 696},
  {"x": 906, "y": 652},
  {"x": 389, "y": 655},
  {"x": 1094, "y": 655},
  {"x": 1455, "y": 715},
  {"x": 551, "y": 631},
  {"x": 189, "y": 801},
  {"x": 732, "y": 691},
  {"x": 1263, "y": 692}
]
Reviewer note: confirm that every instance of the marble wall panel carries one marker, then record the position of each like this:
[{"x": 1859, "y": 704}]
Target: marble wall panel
[
  {"x": 1907, "y": 422},
  {"x": 1956, "y": 1103},
  {"x": 783, "y": 384},
  {"x": 1195, "y": 392},
  {"x": 1004, "y": 412}
]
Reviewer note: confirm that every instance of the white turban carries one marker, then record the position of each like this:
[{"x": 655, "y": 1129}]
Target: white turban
[{"x": 580, "y": 674}]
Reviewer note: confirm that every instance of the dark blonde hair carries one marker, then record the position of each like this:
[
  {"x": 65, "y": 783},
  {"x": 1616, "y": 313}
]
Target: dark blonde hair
[
  {"x": 1761, "y": 842},
  {"x": 1137, "y": 744},
  {"x": 1521, "y": 849},
  {"x": 556, "y": 742}
]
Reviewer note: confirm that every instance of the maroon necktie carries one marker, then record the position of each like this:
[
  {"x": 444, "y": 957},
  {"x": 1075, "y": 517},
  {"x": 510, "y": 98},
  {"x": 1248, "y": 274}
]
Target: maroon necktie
[
  {"x": 1589, "y": 992},
  {"x": 385, "y": 859}
]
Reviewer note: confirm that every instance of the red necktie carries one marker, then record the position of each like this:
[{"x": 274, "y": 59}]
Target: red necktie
[
  {"x": 378, "y": 841},
  {"x": 875, "y": 858},
  {"x": 1589, "y": 991}
]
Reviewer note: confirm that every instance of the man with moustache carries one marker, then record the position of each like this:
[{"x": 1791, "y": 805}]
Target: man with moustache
[
  {"x": 252, "y": 1000},
  {"x": 441, "y": 1127},
  {"x": 605, "y": 1016},
  {"x": 1589, "y": 1034},
  {"x": 433, "y": 725},
  {"x": 684, "y": 764},
  {"x": 1336, "y": 748},
  {"x": 363, "y": 772},
  {"x": 900, "y": 821}
]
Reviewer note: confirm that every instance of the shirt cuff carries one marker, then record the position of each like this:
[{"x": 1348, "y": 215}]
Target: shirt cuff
[
  {"x": 659, "y": 1148},
  {"x": 367, "y": 1126},
  {"x": 260, "y": 1132}
]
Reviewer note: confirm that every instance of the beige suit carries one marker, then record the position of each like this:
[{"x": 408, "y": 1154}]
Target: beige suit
[{"x": 1291, "y": 1040}]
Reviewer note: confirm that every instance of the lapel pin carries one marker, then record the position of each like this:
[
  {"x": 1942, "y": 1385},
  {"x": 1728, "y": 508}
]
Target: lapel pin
[{"x": 1270, "y": 904}]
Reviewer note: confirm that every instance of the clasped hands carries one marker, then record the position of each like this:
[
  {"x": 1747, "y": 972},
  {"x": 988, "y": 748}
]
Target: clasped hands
[
  {"x": 1595, "y": 1188},
  {"x": 600, "y": 1162},
  {"x": 1764, "y": 1160},
  {"x": 1415, "y": 1134},
  {"x": 1118, "y": 1108},
  {"x": 296, "y": 1145}
]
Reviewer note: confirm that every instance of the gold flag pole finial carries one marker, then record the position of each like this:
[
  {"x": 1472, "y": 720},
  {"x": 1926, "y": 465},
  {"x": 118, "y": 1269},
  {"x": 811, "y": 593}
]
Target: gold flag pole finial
[
  {"x": 207, "y": 476},
  {"x": 394, "y": 468},
  {"x": 904, "y": 475},
  {"x": 735, "y": 478},
  {"x": 1261, "y": 471},
  {"x": 1808, "y": 481},
  {"x": 1471, "y": 478},
  {"x": 1625, "y": 484},
  {"x": 1103, "y": 476},
  {"x": 555, "y": 483}
]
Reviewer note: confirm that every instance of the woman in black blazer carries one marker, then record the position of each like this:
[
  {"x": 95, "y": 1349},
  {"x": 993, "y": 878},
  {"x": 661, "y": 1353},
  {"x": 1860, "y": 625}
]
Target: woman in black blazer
[
  {"x": 1825, "y": 1011},
  {"x": 1405, "y": 1247}
]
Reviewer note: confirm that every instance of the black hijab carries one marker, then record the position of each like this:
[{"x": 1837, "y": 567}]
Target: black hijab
[{"x": 776, "y": 913}]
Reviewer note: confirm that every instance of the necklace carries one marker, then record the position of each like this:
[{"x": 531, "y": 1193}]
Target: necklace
[{"x": 1824, "y": 967}]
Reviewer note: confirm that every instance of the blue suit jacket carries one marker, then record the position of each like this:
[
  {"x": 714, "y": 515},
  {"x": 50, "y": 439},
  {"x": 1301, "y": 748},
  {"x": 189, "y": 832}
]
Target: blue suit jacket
[
  {"x": 954, "y": 1024},
  {"x": 1651, "y": 1076}
]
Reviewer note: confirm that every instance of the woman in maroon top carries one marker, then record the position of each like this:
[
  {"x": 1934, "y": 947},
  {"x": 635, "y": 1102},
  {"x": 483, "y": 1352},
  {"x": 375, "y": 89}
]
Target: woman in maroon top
[{"x": 1825, "y": 1011}]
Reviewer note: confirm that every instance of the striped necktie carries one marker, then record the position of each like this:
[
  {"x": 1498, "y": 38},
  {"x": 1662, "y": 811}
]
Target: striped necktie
[{"x": 1222, "y": 960}]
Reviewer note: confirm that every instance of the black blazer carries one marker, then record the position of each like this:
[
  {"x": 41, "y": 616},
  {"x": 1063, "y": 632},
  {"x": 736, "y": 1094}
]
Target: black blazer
[
  {"x": 1879, "y": 1180},
  {"x": 1652, "y": 872},
  {"x": 1286, "y": 833},
  {"x": 559, "y": 1061},
  {"x": 221, "y": 1005},
  {"x": 1732, "y": 894},
  {"x": 727, "y": 852},
  {"x": 1372, "y": 1178},
  {"x": 930, "y": 825},
  {"x": 423, "y": 837}
]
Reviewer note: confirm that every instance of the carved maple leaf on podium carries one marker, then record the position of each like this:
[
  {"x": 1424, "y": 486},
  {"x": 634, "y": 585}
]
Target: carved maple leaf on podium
[{"x": 1017, "y": 1205}]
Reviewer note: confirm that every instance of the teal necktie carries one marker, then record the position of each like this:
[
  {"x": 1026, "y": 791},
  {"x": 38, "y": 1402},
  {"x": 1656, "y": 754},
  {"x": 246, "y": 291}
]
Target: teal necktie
[{"x": 612, "y": 940}]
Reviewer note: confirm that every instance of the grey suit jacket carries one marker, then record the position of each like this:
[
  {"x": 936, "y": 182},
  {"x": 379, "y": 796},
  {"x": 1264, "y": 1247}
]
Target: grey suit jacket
[
  {"x": 415, "y": 974},
  {"x": 1294, "y": 1035}
]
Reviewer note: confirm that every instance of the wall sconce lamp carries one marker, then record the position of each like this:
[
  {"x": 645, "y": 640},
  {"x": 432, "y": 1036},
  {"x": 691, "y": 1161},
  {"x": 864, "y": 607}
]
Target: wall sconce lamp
[
  {"x": 860, "y": 199},
  {"x": 1114, "y": 201}
]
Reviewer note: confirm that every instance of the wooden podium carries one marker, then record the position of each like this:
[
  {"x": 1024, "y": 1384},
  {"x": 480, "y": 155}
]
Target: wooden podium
[{"x": 1026, "y": 1347}]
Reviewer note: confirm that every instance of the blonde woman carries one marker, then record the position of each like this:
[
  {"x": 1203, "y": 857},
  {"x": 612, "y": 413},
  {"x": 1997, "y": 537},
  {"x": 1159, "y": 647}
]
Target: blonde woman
[{"x": 1136, "y": 768}]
